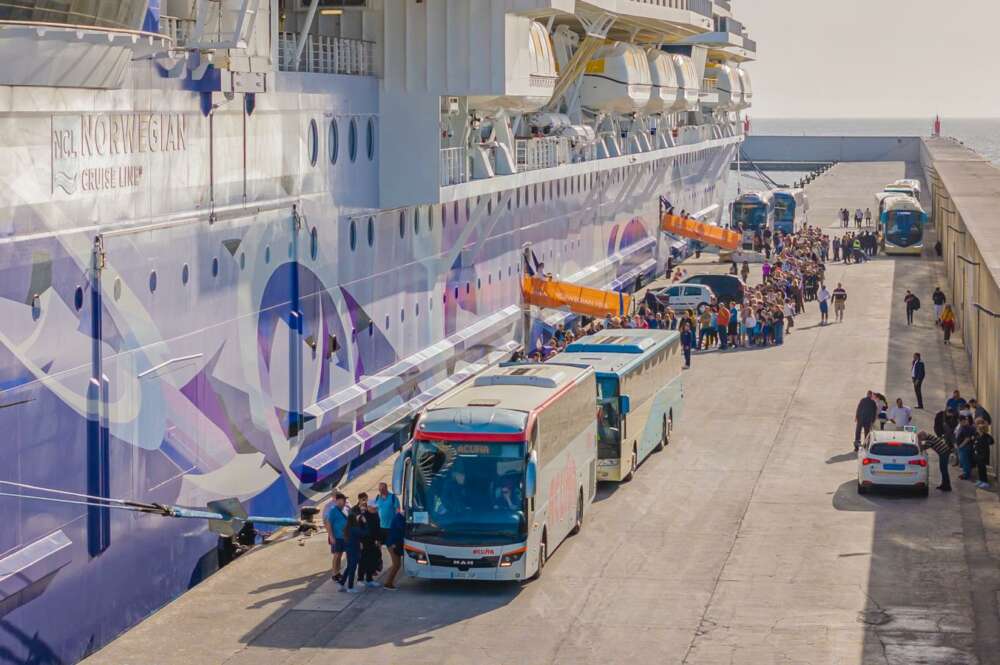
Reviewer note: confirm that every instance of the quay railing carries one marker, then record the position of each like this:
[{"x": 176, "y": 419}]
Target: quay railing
[
  {"x": 326, "y": 55},
  {"x": 454, "y": 166},
  {"x": 176, "y": 28},
  {"x": 703, "y": 7}
]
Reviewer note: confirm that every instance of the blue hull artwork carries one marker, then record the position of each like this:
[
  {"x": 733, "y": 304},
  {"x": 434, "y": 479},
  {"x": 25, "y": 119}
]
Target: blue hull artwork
[{"x": 219, "y": 310}]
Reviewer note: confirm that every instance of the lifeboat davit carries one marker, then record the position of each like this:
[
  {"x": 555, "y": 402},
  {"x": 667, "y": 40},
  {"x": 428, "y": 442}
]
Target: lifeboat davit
[
  {"x": 665, "y": 94},
  {"x": 617, "y": 79},
  {"x": 689, "y": 83},
  {"x": 531, "y": 79},
  {"x": 747, "y": 88}
]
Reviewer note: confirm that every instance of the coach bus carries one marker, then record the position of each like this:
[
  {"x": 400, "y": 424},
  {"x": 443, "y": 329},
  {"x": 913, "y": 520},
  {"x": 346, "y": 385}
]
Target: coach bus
[
  {"x": 641, "y": 393},
  {"x": 909, "y": 183},
  {"x": 902, "y": 222},
  {"x": 791, "y": 208},
  {"x": 753, "y": 212},
  {"x": 499, "y": 473}
]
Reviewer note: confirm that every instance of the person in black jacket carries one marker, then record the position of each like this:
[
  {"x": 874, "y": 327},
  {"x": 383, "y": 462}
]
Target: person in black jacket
[
  {"x": 864, "y": 417},
  {"x": 917, "y": 373},
  {"x": 981, "y": 444},
  {"x": 371, "y": 548}
]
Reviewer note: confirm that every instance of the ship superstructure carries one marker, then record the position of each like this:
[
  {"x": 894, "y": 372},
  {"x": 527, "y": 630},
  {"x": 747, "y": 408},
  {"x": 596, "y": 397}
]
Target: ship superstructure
[{"x": 243, "y": 241}]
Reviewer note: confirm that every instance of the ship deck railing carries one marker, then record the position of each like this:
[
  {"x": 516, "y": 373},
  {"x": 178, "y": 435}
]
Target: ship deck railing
[
  {"x": 326, "y": 55},
  {"x": 454, "y": 166}
]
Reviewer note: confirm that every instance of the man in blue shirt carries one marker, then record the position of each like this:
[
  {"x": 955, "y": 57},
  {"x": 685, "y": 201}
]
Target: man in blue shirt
[
  {"x": 956, "y": 403},
  {"x": 388, "y": 505},
  {"x": 335, "y": 520}
]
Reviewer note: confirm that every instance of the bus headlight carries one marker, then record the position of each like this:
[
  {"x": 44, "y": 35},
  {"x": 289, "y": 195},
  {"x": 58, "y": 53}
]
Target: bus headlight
[
  {"x": 416, "y": 554},
  {"x": 510, "y": 558}
]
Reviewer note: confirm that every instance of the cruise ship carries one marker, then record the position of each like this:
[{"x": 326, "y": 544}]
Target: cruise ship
[{"x": 243, "y": 241}]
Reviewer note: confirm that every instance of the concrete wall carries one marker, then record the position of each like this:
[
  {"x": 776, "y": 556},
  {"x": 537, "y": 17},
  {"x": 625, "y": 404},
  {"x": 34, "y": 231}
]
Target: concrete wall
[
  {"x": 832, "y": 148},
  {"x": 965, "y": 191}
]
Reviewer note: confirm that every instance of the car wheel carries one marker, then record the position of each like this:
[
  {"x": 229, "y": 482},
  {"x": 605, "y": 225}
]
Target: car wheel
[
  {"x": 862, "y": 489},
  {"x": 579, "y": 515}
]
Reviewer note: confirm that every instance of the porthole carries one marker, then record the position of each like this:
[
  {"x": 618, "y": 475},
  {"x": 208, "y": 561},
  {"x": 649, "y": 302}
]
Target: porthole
[
  {"x": 215, "y": 267},
  {"x": 370, "y": 139},
  {"x": 118, "y": 288},
  {"x": 352, "y": 140},
  {"x": 354, "y": 235},
  {"x": 152, "y": 281},
  {"x": 267, "y": 254},
  {"x": 371, "y": 231},
  {"x": 313, "y": 143},
  {"x": 78, "y": 298},
  {"x": 185, "y": 274},
  {"x": 314, "y": 243},
  {"x": 402, "y": 223},
  {"x": 333, "y": 139}
]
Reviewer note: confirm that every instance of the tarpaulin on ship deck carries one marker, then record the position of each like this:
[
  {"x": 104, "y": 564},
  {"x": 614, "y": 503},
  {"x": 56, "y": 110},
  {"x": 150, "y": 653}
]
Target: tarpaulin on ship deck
[
  {"x": 547, "y": 293},
  {"x": 706, "y": 233}
]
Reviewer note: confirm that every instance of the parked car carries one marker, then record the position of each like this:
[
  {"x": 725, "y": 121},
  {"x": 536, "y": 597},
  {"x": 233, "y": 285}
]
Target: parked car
[
  {"x": 680, "y": 297},
  {"x": 892, "y": 459},
  {"x": 727, "y": 288}
]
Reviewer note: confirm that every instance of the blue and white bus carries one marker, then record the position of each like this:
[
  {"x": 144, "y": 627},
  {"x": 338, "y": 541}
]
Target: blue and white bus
[
  {"x": 641, "y": 394},
  {"x": 753, "y": 212},
  {"x": 902, "y": 222},
  {"x": 791, "y": 210},
  {"x": 499, "y": 472}
]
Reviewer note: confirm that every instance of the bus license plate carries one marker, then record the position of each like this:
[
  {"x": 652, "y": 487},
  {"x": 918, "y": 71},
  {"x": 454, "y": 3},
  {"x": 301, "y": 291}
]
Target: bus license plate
[{"x": 462, "y": 575}]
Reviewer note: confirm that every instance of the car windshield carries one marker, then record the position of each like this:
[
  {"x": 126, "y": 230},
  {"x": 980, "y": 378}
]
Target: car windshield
[
  {"x": 894, "y": 449},
  {"x": 467, "y": 493}
]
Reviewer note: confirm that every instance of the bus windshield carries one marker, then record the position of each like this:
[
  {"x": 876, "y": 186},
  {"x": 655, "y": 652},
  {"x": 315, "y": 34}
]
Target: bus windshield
[
  {"x": 467, "y": 493},
  {"x": 784, "y": 208},
  {"x": 903, "y": 228},
  {"x": 751, "y": 216},
  {"x": 608, "y": 420}
]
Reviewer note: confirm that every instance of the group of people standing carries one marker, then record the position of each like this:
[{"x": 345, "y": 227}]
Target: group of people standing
[
  {"x": 845, "y": 217},
  {"x": 961, "y": 437},
  {"x": 359, "y": 532},
  {"x": 857, "y": 247}
]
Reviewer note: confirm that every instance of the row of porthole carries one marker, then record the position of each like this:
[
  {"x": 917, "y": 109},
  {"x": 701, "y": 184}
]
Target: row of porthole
[{"x": 333, "y": 140}]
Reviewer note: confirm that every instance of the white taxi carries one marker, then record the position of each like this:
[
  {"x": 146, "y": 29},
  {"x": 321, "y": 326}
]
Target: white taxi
[{"x": 892, "y": 458}]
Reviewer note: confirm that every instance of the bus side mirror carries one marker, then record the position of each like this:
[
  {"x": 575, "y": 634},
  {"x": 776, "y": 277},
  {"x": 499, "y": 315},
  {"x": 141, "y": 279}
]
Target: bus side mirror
[
  {"x": 626, "y": 404},
  {"x": 398, "y": 468},
  {"x": 531, "y": 475}
]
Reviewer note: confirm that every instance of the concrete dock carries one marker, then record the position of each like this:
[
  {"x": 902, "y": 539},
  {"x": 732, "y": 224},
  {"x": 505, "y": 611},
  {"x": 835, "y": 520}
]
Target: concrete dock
[{"x": 743, "y": 542}]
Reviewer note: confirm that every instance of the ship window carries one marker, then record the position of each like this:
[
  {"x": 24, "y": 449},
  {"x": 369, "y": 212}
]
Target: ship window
[
  {"x": 468, "y": 288},
  {"x": 371, "y": 231},
  {"x": 352, "y": 140},
  {"x": 416, "y": 220},
  {"x": 334, "y": 140},
  {"x": 510, "y": 203},
  {"x": 558, "y": 188},
  {"x": 444, "y": 215},
  {"x": 489, "y": 207},
  {"x": 455, "y": 210},
  {"x": 185, "y": 274},
  {"x": 314, "y": 243},
  {"x": 267, "y": 254},
  {"x": 402, "y": 224},
  {"x": 78, "y": 298},
  {"x": 215, "y": 266},
  {"x": 371, "y": 328},
  {"x": 118, "y": 288},
  {"x": 456, "y": 293},
  {"x": 416, "y": 310},
  {"x": 517, "y": 197},
  {"x": 243, "y": 260},
  {"x": 402, "y": 315},
  {"x": 370, "y": 138},
  {"x": 387, "y": 323},
  {"x": 489, "y": 279},
  {"x": 500, "y": 275},
  {"x": 354, "y": 235},
  {"x": 431, "y": 212},
  {"x": 152, "y": 281},
  {"x": 313, "y": 143},
  {"x": 468, "y": 210}
]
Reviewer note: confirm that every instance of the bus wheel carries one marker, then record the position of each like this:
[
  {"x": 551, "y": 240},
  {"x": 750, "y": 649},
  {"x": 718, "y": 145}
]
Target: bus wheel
[
  {"x": 543, "y": 554},
  {"x": 579, "y": 515},
  {"x": 635, "y": 464},
  {"x": 664, "y": 436}
]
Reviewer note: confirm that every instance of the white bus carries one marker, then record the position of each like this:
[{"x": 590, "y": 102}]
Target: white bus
[{"x": 499, "y": 472}]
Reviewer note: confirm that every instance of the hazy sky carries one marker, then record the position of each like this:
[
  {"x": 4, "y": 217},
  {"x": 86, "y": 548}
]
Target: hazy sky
[{"x": 878, "y": 58}]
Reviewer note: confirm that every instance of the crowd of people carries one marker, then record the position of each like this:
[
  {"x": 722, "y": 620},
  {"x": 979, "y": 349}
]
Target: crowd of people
[
  {"x": 961, "y": 438},
  {"x": 358, "y": 534}
]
